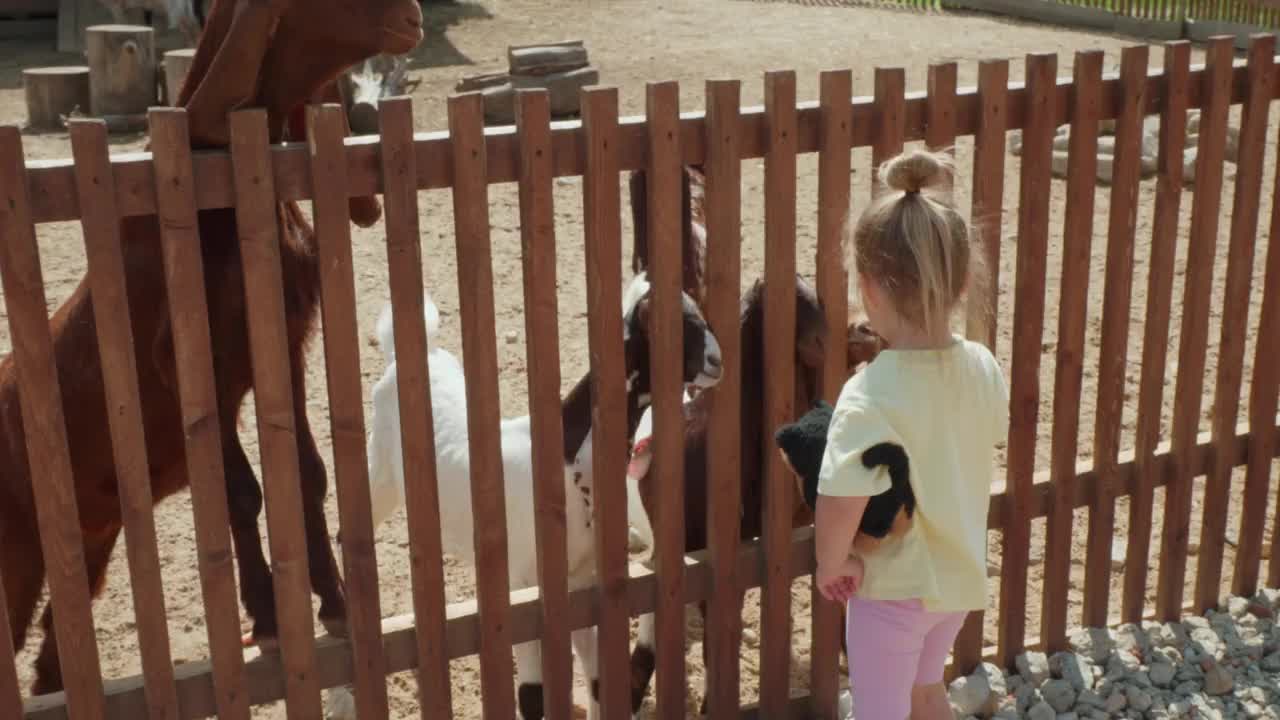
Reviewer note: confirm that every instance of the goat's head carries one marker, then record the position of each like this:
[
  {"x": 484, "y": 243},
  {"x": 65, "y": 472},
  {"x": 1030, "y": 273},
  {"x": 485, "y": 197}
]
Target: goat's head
[
  {"x": 701, "y": 362},
  {"x": 281, "y": 54}
]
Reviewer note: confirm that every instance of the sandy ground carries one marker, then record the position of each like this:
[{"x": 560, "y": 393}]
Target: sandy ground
[{"x": 633, "y": 42}]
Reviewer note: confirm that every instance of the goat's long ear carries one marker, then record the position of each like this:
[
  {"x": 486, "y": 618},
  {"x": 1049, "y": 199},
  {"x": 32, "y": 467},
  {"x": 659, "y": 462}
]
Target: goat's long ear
[
  {"x": 639, "y": 221},
  {"x": 225, "y": 71},
  {"x": 365, "y": 210}
]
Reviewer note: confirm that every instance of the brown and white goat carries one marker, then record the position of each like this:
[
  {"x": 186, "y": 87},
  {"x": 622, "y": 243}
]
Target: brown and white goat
[
  {"x": 277, "y": 54},
  {"x": 756, "y": 439}
]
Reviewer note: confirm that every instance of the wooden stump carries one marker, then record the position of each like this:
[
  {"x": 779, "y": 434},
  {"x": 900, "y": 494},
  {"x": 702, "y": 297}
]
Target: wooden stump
[
  {"x": 563, "y": 88},
  {"x": 122, "y": 74},
  {"x": 176, "y": 65},
  {"x": 546, "y": 58},
  {"x": 53, "y": 92}
]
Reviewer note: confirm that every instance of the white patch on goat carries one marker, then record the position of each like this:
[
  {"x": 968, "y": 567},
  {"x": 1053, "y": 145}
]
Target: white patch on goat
[{"x": 634, "y": 292}]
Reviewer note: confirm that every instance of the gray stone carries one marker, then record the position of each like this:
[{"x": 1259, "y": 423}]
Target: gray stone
[
  {"x": 1069, "y": 716},
  {"x": 1115, "y": 702},
  {"x": 1075, "y": 669},
  {"x": 1190, "y": 687},
  {"x": 1138, "y": 698},
  {"x": 1237, "y": 607},
  {"x": 1271, "y": 663},
  {"x": 1033, "y": 667},
  {"x": 1059, "y": 694},
  {"x": 1041, "y": 711},
  {"x": 1218, "y": 681},
  {"x": 1025, "y": 697},
  {"x": 1161, "y": 674},
  {"x": 1093, "y": 643},
  {"x": 970, "y": 695},
  {"x": 1089, "y": 699}
]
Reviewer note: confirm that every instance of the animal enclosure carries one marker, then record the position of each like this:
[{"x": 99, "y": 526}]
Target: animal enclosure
[{"x": 467, "y": 160}]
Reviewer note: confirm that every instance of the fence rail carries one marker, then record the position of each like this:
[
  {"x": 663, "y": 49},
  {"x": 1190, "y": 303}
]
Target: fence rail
[{"x": 254, "y": 176}]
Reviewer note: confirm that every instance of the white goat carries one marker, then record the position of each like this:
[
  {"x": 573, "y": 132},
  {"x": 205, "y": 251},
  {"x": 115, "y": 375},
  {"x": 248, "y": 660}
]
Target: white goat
[{"x": 701, "y": 367}]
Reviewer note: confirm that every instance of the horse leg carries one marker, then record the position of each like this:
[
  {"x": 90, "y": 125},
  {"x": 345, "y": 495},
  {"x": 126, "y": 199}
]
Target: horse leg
[
  {"x": 244, "y": 505},
  {"x": 325, "y": 579},
  {"x": 97, "y": 554},
  {"x": 21, "y": 573}
]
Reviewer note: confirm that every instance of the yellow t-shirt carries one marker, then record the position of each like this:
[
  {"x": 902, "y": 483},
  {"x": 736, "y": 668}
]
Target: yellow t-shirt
[{"x": 947, "y": 408}]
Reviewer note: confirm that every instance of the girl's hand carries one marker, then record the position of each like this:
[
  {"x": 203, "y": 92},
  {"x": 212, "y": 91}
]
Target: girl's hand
[{"x": 840, "y": 583}]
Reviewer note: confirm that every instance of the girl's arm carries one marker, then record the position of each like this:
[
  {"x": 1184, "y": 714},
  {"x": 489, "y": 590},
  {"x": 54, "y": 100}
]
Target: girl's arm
[{"x": 835, "y": 521}]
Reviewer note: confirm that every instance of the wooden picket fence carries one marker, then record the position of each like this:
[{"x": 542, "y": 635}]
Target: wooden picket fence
[{"x": 469, "y": 158}]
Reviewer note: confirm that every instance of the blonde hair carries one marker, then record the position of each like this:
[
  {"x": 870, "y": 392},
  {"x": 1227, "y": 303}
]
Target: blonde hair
[{"x": 912, "y": 241}]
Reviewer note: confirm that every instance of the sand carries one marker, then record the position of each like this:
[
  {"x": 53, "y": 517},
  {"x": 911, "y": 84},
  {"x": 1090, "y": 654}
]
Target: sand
[{"x": 633, "y": 42}]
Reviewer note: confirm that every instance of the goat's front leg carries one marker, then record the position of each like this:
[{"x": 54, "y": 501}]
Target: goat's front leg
[
  {"x": 244, "y": 505},
  {"x": 529, "y": 680},
  {"x": 325, "y": 580},
  {"x": 586, "y": 647}
]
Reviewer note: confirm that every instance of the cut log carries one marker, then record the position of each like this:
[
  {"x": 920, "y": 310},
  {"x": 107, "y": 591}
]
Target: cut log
[
  {"x": 122, "y": 74},
  {"x": 176, "y": 65},
  {"x": 563, "y": 88},
  {"x": 75, "y": 16},
  {"x": 546, "y": 58},
  {"x": 499, "y": 104},
  {"x": 471, "y": 83},
  {"x": 53, "y": 93}
]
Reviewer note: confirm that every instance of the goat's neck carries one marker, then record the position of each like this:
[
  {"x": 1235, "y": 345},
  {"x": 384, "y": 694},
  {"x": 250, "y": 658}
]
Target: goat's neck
[
  {"x": 292, "y": 75},
  {"x": 575, "y": 414}
]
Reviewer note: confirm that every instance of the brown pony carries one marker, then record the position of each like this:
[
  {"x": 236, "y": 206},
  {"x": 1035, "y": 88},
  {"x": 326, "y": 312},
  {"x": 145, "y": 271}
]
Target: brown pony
[{"x": 274, "y": 54}]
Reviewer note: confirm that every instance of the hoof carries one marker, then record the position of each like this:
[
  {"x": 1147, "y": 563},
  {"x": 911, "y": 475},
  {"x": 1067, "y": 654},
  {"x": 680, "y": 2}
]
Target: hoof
[
  {"x": 268, "y": 644},
  {"x": 336, "y": 627}
]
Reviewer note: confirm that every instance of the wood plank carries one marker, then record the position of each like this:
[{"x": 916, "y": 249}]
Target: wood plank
[
  {"x": 666, "y": 347},
  {"x": 1235, "y": 315},
  {"x": 45, "y": 433},
  {"x": 988, "y": 197},
  {"x": 940, "y": 124},
  {"x": 542, "y": 338},
  {"x": 326, "y": 127},
  {"x": 980, "y": 304},
  {"x": 1266, "y": 386},
  {"x": 834, "y": 166},
  {"x": 1073, "y": 312},
  {"x": 264, "y": 682},
  {"x": 1028, "y": 323},
  {"x": 480, "y": 365},
  {"x": 724, "y": 442},
  {"x": 193, "y": 359},
  {"x": 1113, "y": 355},
  {"x": 602, "y": 228},
  {"x": 890, "y": 113},
  {"x": 53, "y": 181},
  {"x": 106, "y": 277},
  {"x": 413, "y": 386},
  {"x": 1195, "y": 326},
  {"x": 1264, "y": 391},
  {"x": 779, "y": 396},
  {"x": 256, "y": 223},
  {"x": 1155, "y": 340},
  {"x": 10, "y": 692}
]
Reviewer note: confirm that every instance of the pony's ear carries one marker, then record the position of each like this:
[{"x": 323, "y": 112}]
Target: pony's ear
[{"x": 225, "y": 71}]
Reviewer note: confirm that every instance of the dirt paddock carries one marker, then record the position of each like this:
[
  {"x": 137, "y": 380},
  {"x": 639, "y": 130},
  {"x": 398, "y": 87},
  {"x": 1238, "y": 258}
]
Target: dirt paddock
[{"x": 632, "y": 42}]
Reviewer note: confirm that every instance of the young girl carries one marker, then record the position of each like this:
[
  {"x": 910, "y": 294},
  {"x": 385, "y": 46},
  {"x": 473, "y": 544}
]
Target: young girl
[{"x": 941, "y": 398}]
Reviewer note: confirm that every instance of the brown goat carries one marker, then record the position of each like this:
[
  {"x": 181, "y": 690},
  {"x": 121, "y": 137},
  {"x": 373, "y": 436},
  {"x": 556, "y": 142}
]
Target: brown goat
[
  {"x": 276, "y": 54},
  {"x": 756, "y": 439}
]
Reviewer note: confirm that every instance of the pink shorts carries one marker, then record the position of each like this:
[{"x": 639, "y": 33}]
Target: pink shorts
[{"x": 895, "y": 645}]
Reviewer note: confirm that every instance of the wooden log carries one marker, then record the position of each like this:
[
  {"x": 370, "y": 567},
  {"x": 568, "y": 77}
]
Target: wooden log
[
  {"x": 122, "y": 74},
  {"x": 499, "y": 104},
  {"x": 176, "y": 64},
  {"x": 563, "y": 87},
  {"x": 470, "y": 83},
  {"x": 53, "y": 93},
  {"x": 545, "y": 59},
  {"x": 74, "y": 16}
]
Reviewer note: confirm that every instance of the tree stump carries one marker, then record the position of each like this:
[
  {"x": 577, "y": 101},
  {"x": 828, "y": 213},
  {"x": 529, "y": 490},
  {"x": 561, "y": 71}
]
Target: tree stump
[
  {"x": 546, "y": 58},
  {"x": 176, "y": 65},
  {"x": 122, "y": 74},
  {"x": 53, "y": 93}
]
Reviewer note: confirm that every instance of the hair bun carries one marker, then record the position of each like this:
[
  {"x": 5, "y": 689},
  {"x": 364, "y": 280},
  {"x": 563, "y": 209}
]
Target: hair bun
[{"x": 915, "y": 171}]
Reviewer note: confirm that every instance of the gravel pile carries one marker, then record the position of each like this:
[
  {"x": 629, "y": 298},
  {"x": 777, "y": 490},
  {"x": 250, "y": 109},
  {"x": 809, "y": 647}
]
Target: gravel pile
[{"x": 1225, "y": 664}]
